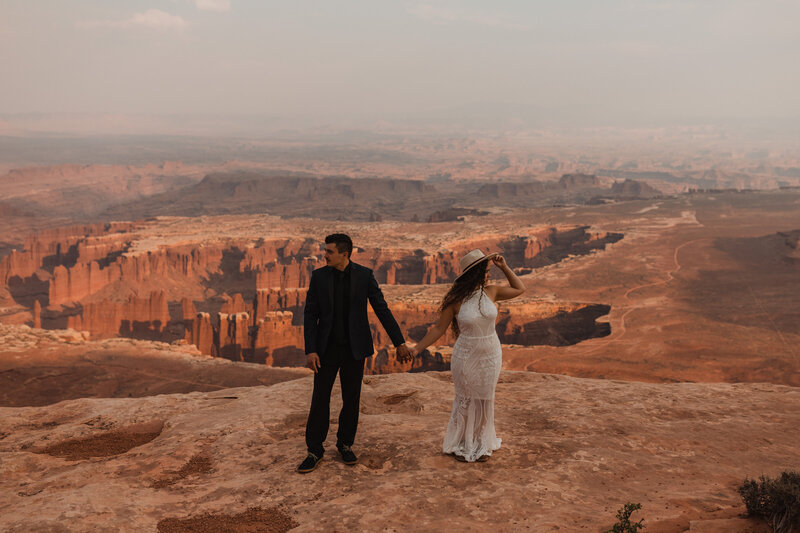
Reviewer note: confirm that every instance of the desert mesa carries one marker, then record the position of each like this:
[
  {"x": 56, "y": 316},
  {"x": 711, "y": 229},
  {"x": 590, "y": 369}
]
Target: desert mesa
[
  {"x": 675, "y": 288},
  {"x": 143, "y": 337}
]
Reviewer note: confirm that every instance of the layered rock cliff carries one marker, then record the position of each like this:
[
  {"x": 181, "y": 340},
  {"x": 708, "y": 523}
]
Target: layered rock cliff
[
  {"x": 567, "y": 182},
  {"x": 243, "y": 299},
  {"x": 140, "y": 318},
  {"x": 634, "y": 189},
  {"x": 75, "y": 191},
  {"x": 286, "y": 194}
]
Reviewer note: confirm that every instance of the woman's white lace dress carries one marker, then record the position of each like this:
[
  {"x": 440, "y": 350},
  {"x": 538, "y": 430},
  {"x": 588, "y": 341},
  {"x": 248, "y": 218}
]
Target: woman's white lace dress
[{"x": 475, "y": 365}]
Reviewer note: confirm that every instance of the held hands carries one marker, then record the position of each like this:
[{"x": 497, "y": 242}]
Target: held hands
[
  {"x": 404, "y": 353},
  {"x": 312, "y": 362}
]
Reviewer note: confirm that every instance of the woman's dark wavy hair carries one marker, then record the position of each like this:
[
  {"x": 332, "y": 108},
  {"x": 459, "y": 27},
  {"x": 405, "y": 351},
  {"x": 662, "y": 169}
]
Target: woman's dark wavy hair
[{"x": 472, "y": 280}]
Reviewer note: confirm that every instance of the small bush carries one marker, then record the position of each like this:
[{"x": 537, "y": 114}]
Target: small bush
[
  {"x": 777, "y": 501},
  {"x": 624, "y": 524}
]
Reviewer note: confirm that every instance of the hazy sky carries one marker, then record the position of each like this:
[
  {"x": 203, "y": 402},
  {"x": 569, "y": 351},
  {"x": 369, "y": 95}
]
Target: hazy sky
[{"x": 647, "y": 60}]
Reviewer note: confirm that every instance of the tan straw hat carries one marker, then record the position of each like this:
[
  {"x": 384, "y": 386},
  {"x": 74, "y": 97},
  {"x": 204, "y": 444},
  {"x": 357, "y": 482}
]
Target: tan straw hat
[{"x": 473, "y": 258}]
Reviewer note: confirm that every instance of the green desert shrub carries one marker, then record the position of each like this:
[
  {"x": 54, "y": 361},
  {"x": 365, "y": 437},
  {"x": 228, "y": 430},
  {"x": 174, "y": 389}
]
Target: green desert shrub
[
  {"x": 777, "y": 501},
  {"x": 624, "y": 524}
]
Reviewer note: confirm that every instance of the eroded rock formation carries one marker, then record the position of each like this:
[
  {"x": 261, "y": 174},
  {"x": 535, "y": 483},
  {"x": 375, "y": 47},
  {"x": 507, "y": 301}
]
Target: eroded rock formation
[
  {"x": 59, "y": 246},
  {"x": 140, "y": 318},
  {"x": 634, "y": 189},
  {"x": 286, "y": 193},
  {"x": 243, "y": 299},
  {"x": 536, "y": 325},
  {"x": 567, "y": 182}
]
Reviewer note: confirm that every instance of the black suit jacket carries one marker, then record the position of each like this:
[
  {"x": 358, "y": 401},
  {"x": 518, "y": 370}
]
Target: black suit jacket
[{"x": 318, "y": 312}]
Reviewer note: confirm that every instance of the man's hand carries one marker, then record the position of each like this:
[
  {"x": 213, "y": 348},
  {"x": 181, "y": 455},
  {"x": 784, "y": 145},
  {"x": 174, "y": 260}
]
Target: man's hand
[
  {"x": 404, "y": 353},
  {"x": 312, "y": 362}
]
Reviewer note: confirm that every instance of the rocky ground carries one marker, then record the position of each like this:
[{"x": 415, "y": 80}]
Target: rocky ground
[
  {"x": 574, "y": 451},
  {"x": 42, "y": 367}
]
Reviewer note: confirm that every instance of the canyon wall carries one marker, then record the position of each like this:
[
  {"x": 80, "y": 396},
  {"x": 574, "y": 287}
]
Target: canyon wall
[
  {"x": 634, "y": 189},
  {"x": 140, "y": 318},
  {"x": 276, "y": 337},
  {"x": 567, "y": 182},
  {"x": 243, "y": 300},
  {"x": 284, "y": 194},
  {"x": 59, "y": 246},
  {"x": 80, "y": 262}
]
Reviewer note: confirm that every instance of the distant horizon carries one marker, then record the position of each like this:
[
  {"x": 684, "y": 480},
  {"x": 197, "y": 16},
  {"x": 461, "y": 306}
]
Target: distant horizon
[{"x": 268, "y": 126}]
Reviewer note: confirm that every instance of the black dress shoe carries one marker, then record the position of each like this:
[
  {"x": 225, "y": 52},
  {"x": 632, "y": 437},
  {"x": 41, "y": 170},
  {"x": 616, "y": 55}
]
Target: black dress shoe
[
  {"x": 348, "y": 457},
  {"x": 309, "y": 463}
]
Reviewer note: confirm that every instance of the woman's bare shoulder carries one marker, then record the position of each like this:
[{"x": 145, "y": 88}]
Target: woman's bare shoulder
[{"x": 491, "y": 291}]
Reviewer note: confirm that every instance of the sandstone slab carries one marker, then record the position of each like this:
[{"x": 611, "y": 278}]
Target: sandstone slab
[{"x": 574, "y": 451}]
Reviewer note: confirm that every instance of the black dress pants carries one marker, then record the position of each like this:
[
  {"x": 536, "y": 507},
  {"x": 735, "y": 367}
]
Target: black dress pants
[{"x": 338, "y": 359}]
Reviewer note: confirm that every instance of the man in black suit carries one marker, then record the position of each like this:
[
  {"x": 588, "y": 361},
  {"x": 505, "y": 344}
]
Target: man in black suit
[{"x": 338, "y": 339}]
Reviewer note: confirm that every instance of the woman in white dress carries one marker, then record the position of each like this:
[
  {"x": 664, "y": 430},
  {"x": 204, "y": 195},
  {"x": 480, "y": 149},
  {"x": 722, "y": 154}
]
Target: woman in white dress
[{"x": 469, "y": 307}]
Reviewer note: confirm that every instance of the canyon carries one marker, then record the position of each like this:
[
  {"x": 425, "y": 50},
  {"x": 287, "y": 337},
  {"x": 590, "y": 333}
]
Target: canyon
[
  {"x": 151, "y": 338},
  {"x": 169, "y": 172},
  {"x": 619, "y": 290},
  {"x": 242, "y": 299}
]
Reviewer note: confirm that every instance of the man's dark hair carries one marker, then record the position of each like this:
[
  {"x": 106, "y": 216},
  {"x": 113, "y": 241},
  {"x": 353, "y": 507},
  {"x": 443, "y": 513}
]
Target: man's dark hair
[{"x": 343, "y": 243}]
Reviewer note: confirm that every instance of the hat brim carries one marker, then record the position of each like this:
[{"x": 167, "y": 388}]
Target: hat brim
[{"x": 475, "y": 263}]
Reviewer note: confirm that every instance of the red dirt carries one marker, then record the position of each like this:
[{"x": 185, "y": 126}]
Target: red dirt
[
  {"x": 254, "y": 520},
  {"x": 198, "y": 464},
  {"x": 106, "y": 444}
]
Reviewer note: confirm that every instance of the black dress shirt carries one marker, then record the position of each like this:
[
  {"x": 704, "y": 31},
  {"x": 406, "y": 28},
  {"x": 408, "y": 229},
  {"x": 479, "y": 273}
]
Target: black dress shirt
[{"x": 341, "y": 307}]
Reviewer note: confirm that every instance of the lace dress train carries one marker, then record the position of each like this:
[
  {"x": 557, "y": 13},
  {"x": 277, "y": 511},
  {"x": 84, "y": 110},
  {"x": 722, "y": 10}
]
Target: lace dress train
[{"x": 475, "y": 365}]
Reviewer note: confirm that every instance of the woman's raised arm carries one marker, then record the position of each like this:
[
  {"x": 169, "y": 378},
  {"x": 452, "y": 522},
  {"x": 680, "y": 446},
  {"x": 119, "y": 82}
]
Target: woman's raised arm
[{"x": 515, "y": 288}]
